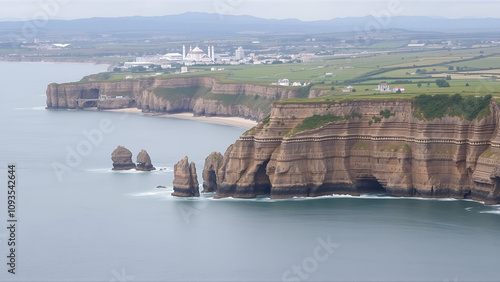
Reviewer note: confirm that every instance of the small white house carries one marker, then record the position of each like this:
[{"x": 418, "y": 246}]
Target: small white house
[
  {"x": 296, "y": 83},
  {"x": 184, "y": 69},
  {"x": 383, "y": 87},
  {"x": 398, "y": 88},
  {"x": 284, "y": 82}
]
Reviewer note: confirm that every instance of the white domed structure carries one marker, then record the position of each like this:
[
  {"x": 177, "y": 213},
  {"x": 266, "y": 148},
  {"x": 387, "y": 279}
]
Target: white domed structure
[{"x": 198, "y": 56}]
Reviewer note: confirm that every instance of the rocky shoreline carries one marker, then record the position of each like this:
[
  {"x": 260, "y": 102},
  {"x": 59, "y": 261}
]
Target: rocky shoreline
[
  {"x": 400, "y": 155},
  {"x": 203, "y": 96}
]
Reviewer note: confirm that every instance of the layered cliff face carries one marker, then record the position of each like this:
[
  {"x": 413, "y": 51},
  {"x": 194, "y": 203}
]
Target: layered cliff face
[
  {"x": 185, "y": 179},
  {"x": 212, "y": 166},
  {"x": 364, "y": 146},
  {"x": 122, "y": 159},
  {"x": 203, "y": 96}
]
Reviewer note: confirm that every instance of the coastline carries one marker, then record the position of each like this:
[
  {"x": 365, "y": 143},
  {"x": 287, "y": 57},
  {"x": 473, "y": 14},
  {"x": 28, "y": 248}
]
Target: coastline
[{"x": 231, "y": 121}]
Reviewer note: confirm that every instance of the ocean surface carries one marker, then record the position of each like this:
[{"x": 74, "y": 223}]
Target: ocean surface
[{"x": 80, "y": 221}]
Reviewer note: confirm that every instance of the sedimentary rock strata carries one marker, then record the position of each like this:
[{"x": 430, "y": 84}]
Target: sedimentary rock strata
[
  {"x": 185, "y": 179},
  {"x": 146, "y": 94},
  {"x": 210, "y": 170},
  {"x": 364, "y": 151},
  {"x": 122, "y": 159},
  {"x": 144, "y": 161}
]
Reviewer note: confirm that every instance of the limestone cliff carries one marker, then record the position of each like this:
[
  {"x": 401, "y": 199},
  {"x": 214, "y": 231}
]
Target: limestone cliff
[
  {"x": 212, "y": 165},
  {"x": 366, "y": 146},
  {"x": 185, "y": 179},
  {"x": 204, "y": 96}
]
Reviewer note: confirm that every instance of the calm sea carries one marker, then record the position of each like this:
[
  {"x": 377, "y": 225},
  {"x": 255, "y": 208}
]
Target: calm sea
[{"x": 80, "y": 221}]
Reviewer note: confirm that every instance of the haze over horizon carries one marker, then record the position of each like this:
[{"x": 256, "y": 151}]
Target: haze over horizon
[{"x": 270, "y": 9}]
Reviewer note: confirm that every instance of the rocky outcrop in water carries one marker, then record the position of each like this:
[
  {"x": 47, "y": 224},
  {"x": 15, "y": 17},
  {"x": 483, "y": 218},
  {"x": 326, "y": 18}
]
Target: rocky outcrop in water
[
  {"x": 364, "y": 150},
  {"x": 185, "y": 179},
  {"x": 122, "y": 159},
  {"x": 144, "y": 161},
  {"x": 212, "y": 164}
]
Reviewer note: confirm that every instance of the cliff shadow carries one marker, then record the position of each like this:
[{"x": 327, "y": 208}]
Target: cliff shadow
[
  {"x": 210, "y": 184},
  {"x": 262, "y": 182},
  {"x": 89, "y": 93},
  {"x": 370, "y": 186},
  {"x": 89, "y": 104}
]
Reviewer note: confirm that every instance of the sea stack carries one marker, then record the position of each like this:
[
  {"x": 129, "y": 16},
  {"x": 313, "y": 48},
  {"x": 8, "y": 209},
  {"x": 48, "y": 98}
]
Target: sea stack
[
  {"x": 212, "y": 164},
  {"x": 144, "y": 161},
  {"x": 122, "y": 159},
  {"x": 185, "y": 179}
]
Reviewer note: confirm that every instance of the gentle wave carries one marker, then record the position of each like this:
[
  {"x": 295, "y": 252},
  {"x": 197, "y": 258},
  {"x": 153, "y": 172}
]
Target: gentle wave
[
  {"x": 39, "y": 108},
  {"x": 110, "y": 170},
  {"x": 345, "y": 196},
  {"x": 267, "y": 199},
  {"x": 161, "y": 192},
  {"x": 495, "y": 209},
  {"x": 491, "y": 212}
]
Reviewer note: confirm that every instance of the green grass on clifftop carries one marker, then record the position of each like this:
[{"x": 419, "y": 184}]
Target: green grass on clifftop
[
  {"x": 313, "y": 122},
  {"x": 432, "y": 107}
]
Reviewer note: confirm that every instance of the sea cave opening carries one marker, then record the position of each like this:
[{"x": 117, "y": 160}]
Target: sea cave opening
[
  {"x": 370, "y": 186},
  {"x": 211, "y": 182},
  {"x": 262, "y": 182},
  {"x": 89, "y": 94}
]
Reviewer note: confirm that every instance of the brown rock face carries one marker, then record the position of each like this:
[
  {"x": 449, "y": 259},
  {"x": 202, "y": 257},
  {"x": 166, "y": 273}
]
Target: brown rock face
[
  {"x": 185, "y": 179},
  {"x": 122, "y": 159},
  {"x": 399, "y": 155},
  {"x": 75, "y": 95},
  {"x": 144, "y": 161},
  {"x": 212, "y": 164}
]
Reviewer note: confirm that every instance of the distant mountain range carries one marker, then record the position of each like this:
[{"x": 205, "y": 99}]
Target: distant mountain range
[{"x": 215, "y": 25}]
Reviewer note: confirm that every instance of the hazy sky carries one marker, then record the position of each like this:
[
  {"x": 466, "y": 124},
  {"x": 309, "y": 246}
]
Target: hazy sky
[{"x": 280, "y": 9}]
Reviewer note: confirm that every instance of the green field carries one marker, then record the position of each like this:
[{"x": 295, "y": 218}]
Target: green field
[{"x": 474, "y": 72}]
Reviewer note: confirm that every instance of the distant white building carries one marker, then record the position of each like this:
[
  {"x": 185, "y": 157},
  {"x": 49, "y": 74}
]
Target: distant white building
[
  {"x": 296, "y": 83},
  {"x": 184, "y": 70},
  {"x": 239, "y": 53},
  {"x": 129, "y": 65},
  {"x": 284, "y": 82},
  {"x": 197, "y": 55},
  {"x": 398, "y": 88},
  {"x": 384, "y": 87},
  {"x": 172, "y": 57}
]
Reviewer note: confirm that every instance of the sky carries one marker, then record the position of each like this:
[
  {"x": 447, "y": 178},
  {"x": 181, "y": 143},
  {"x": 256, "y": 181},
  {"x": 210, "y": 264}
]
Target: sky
[{"x": 306, "y": 10}]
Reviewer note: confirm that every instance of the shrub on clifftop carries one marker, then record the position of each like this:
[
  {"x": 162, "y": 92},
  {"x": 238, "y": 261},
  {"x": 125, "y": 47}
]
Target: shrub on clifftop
[{"x": 431, "y": 107}]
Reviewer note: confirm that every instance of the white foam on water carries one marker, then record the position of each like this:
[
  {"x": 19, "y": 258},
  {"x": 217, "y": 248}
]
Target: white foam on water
[
  {"x": 160, "y": 192},
  {"x": 163, "y": 169},
  {"x": 491, "y": 212},
  {"x": 110, "y": 170},
  {"x": 130, "y": 171},
  {"x": 38, "y": 108}
]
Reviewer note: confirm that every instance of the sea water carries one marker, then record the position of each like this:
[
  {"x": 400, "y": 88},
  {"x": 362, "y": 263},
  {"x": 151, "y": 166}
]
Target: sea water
[{"x": 80, "y": 221}]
